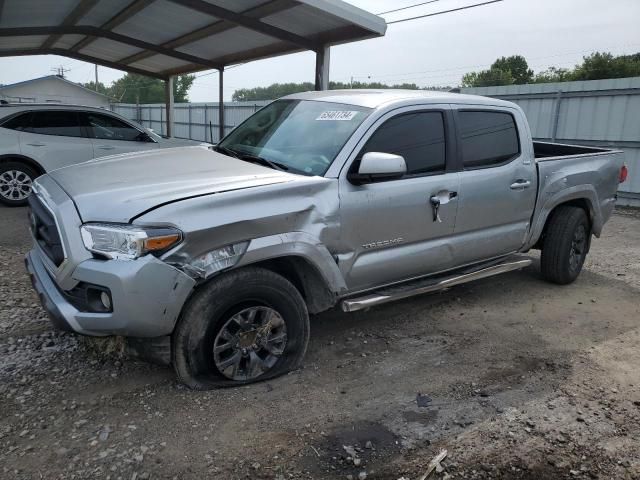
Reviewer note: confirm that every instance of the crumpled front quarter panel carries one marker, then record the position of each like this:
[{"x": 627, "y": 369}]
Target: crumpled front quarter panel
[{"x": 307, "y": 206}]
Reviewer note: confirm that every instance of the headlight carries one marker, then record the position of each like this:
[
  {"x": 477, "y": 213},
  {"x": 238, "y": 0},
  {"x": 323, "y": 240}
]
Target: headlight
[
  {"x": 127, "y": 242},
  {"x": 219, "y": 259}
]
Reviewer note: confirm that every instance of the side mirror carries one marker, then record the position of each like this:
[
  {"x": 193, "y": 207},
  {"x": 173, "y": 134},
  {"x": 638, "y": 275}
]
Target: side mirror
[{"x": 376, "y": 166}]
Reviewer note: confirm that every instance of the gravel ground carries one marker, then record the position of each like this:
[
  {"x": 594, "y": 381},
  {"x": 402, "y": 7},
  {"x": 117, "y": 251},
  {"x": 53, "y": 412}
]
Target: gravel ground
[{"x": 514, "y": 377}]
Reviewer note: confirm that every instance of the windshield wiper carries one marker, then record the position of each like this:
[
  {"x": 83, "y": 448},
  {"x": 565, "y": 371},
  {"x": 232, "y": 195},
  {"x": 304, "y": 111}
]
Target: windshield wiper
[
  {"x": 226, "y": 151},
  {"x": 248, "y": 157},
  {"x": 262, "y": 161}
]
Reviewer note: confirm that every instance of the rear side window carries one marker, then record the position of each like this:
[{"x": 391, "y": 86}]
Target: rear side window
[
  {"x": 107, "y": 127},
  {"x": 51, "y": 122},
  {"x": 487, "y": 138},
  {"x": 19, "y": 122},
  {"x": 419, "y": 137}
]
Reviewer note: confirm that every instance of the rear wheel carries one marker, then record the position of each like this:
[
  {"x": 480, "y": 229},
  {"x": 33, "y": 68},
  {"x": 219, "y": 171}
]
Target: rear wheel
[
  {"x": 565, "y": 245},
  {"x": 245, "y": 326},
  {"x": 16, "y": 181}
]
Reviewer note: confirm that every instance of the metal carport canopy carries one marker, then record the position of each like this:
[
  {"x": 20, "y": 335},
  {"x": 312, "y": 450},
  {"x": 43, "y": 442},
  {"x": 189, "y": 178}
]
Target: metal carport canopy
[{"x": 164, "y": 38}]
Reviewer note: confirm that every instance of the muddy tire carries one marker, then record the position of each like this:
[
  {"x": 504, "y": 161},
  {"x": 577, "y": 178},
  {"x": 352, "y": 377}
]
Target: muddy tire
[
  {"x": 565, "y": 245},
  {"x": 16, "y": 179},
  {"x": 243, "y": 327}
]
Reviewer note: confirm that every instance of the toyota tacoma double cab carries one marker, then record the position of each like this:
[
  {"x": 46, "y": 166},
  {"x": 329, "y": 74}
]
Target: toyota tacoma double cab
[{"x": 350, "y": 198}]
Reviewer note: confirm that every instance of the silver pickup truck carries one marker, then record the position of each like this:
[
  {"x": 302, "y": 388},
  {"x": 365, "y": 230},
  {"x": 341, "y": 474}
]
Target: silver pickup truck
[{"x": 354, "y": 198}]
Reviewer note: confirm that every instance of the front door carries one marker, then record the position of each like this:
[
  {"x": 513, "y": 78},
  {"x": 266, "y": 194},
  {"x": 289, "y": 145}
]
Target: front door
[
  {"x": 392, "y": 230},
  {"x": 112, "y": 136}
]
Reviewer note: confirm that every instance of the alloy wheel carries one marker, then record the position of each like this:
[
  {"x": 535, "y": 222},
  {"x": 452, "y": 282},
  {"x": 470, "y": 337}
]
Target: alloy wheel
[
  {"x": 250, "y": 343},
  {"x": 15, "y": 185}
]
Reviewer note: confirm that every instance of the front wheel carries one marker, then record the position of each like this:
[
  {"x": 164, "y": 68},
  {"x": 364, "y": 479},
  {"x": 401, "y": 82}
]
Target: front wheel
[
  {"x": 565, "y": 245},
  {"x": 246, "y": 326}
]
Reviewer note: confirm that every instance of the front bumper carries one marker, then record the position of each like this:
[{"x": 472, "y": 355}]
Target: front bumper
[{"x": 147, "y": 296}]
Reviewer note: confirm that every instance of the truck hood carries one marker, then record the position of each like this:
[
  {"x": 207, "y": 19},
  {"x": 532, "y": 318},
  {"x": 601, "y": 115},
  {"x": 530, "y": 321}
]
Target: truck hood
[
  {"x": 180, "y": 142},
  {"x": 121, "y": 187}
]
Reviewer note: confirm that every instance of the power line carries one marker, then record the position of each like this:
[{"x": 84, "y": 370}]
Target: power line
[
  {"x": 408, "y": 7},
  {"x": 466, "y": 67},
  {"x": 216, "y": 71},
  {"x": 444, "y": 11}
]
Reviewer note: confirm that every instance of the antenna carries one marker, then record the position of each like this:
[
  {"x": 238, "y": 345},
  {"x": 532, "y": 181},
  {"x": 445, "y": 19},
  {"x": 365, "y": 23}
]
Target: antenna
[{"x": 60, "y": 71}]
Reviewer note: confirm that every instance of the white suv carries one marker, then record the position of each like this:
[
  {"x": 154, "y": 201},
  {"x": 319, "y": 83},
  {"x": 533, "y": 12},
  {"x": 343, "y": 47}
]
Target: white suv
[{"x": 38, "y": 138}]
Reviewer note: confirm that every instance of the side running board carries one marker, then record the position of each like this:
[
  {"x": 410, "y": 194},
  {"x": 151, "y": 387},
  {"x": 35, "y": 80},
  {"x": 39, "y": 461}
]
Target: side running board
[{"x": 398, "y": 292}]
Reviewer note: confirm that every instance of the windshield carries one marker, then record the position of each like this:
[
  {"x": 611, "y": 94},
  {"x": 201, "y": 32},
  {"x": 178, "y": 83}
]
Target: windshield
[{"x": 301, "y": 136}]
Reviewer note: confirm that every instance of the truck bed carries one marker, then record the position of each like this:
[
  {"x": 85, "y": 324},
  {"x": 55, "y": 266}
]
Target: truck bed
[
  {"x": 546, "y": 150},
  {"x": 568, "y": 172}
]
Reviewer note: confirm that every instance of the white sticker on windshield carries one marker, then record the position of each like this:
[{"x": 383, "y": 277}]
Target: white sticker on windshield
[{"x": 339, "y": 115}]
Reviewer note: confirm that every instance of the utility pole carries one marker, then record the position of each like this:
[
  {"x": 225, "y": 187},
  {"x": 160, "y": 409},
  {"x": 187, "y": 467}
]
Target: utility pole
[{"x": 96, "y": 77}]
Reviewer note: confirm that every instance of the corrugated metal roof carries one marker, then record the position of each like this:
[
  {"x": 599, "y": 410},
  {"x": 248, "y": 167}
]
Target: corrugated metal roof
[{"x": 161, "y": 38}]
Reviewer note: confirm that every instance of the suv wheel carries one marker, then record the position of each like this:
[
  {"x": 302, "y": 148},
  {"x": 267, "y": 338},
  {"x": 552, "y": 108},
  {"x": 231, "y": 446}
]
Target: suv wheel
[
  {"x": 16, "y": 180},
  {"x": 246, "y": 326},
  {"x": 565, "y": 245}
]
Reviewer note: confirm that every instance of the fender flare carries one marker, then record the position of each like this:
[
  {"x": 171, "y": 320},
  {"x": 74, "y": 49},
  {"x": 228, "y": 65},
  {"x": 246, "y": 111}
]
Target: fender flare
[
  {"x": 586, "y": 193},
  {"x": 297, "y": 244}
]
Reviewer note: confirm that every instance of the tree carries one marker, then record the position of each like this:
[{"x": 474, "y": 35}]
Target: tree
[
  {"x": 278, "y": 90},
  {"x": 604, "y": 65},
  {"x": 275, "y": 90},
  {"x": 553, "y": 74},
  {"x": 134, "y": 88},
  {"x": 487, "y": 78},
  {"x": 517, "y": 66},
  {"x": 596, "y": 66},
  {"x": 102, "y": 88}
]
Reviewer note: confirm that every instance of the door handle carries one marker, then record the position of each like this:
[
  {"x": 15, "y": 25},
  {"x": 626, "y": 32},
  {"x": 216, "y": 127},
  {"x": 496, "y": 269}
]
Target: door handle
[
  {"x": 520, "y": 184},
  {"x": 105, "y": 147},
  {"x": 36, "y": 144},
  {"x": 435, "y": 207},
  {"x": 441, "y": 198}
]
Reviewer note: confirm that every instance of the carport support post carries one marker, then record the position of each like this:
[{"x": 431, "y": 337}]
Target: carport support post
[
  {"x": 220, "y": 105},
  {"x": 168, "y": 95},
  {"x": 323, "y": 58}
]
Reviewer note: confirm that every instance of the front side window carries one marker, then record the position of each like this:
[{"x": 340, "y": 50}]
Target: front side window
[
  {"x": 302, "y": 136},
  {"x": 51, "y": 122},
  {"x": 487, "y": 138},
  {"x": 418, "y": 137},
  {"x": 106, "y": 127}
]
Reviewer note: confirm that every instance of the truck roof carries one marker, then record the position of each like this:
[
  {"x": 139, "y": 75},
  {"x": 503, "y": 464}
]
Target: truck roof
[{"x": 379, "y": 98}]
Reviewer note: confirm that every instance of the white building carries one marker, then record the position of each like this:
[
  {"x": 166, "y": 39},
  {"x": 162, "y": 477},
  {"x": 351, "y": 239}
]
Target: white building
[{"x": 52, "y": 89}]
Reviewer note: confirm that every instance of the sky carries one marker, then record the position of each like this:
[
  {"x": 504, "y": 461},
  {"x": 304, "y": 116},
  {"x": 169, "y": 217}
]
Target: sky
[{"x": 433, "y": 51}]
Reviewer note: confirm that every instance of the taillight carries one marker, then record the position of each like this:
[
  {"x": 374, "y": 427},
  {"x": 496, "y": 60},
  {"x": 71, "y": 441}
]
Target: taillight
[{"x": 624, "y": 171}]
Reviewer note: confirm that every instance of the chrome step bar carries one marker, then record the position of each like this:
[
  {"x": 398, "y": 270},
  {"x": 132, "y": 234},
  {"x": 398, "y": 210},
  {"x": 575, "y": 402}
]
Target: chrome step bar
[{"x": 398, "y": 293}]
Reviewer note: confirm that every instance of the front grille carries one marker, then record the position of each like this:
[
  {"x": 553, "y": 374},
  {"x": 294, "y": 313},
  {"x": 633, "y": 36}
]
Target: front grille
[{"x": 45, "y": 231}]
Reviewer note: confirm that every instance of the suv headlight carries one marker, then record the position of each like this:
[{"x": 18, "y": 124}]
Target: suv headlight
[{"x": 127, "y": 242}]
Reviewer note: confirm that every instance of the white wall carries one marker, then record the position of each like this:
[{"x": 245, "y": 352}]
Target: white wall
[{"x": 52, "y": 90}]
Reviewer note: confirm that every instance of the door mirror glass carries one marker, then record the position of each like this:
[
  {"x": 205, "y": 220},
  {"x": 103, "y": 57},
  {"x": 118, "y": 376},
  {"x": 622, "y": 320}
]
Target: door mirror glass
[{"x": 376, "y": 166}]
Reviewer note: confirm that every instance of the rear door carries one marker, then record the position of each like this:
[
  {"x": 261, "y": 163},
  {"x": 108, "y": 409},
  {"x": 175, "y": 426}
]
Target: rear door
[
  {"x": 498, "y": 183},
  {"x": 111, "y": 136},
  {"x": 55, "y": 139},
  {"x": 388, "y": 226}
]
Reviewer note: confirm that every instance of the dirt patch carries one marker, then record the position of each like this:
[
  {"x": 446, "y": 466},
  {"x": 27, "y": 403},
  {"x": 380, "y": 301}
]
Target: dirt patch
[{"x": 526, "y": 380}]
